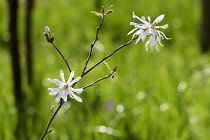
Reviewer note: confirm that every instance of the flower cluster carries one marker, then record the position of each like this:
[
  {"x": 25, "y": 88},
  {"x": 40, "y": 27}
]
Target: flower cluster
[
  {"x": 146, "y": 28},
  {"x": 65, "y": 88}
]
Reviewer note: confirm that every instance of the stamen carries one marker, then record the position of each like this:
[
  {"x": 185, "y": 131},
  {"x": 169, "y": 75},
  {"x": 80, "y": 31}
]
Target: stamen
[
  {"x": 152, "y": 26},
  {"x": 66, "y": 86}
]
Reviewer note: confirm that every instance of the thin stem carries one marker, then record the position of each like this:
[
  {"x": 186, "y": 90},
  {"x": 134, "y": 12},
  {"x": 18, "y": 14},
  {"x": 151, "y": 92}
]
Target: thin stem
[
  {"x": 122, "y": 46},
  {"x": 62, "y": 57},
  {"x": 110, "y": 74},
  {"x": 92, "y": 44},
  {"x": 50, "y": 121},
  {"x": 46, "y": 131}
]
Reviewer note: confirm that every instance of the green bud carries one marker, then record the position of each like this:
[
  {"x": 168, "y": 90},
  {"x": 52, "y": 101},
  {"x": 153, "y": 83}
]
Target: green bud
[{"x": 49, "y": 37}]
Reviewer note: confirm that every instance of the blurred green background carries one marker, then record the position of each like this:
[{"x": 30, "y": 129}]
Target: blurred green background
[{"x": 154, "y": 96}]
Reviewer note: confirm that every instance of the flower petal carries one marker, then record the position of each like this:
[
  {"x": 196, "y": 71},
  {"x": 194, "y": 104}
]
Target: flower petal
[
  {"x": 146, "y": 46},
  {"x": 159, "y": 19},
  {"x": 163, "y": 27},
  {"x": 156, "y": 46},
  {"x": 144, "y": 21},
  {"x": 152, "y": 41},
  {"x": 138, "y": 39},
  {"x": 72, "y": 95},
  {"x": 143, "y": 18},
  {"x": 75, "y": 80},
  {"x": 64, "y": 95},
  {"x": 161, "y": 33},
  {"x": 139, "y": 32},
  {"x": 54, "y": 91},
  {"x": 151, "y": 31},
  {"x": 55, "y": 81},
  {"x": 159, "y": 38},
  {"x": 132, "y": 31},
  {"x": 58, "y": 98},
  {"x": 149, "y": 19},
  {"x": 141, "y": 26},
  {"x": 133, "y": 23},
  {"x": 62, "y": 76},
  {"x": 143, "y": 36},
  {"x": 70, "y": 77},
  {"x": 79, "y": 90}
]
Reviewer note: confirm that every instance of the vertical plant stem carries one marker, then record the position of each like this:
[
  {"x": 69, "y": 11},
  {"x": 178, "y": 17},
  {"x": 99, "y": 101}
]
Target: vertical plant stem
[
  {"x": 50, "y": 121},
  {"x": 92, "y": 44}
]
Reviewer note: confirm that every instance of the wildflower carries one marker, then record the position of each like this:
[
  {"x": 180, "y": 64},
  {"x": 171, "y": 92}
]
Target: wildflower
[
  {"x": 64, "y": 88},
  {"x": 49, "y": 37},
  {"x": 146, "y": 28}
]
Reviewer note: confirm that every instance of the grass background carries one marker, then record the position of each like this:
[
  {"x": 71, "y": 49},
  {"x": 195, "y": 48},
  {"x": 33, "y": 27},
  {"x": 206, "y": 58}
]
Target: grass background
[{"x": 154, "y": 96}]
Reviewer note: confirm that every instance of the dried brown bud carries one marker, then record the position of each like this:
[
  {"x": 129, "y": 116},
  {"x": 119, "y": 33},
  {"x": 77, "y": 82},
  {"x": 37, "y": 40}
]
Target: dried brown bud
[
  {"x": 114, "y": 69},
  {"x": 102, "y": 11}
]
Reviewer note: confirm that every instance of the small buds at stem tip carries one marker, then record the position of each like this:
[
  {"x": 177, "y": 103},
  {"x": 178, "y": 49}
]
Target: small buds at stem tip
[
  {"x": 102, "y": 11},
  {"x": 114, "y": 69},
  {"x": 109, "y": 12},
  {"x": 49, "y": 37}
]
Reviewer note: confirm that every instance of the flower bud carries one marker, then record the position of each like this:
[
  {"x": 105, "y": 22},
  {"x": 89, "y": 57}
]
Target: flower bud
[
  {"x": 47, "y": 30},
  {"x": 102, "y": 11},
  {"x": 109, "y": 12},
  {"x": 49, "y": 37}
]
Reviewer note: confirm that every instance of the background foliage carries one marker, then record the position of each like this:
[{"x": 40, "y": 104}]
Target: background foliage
[{"x": 154, "y": 96}]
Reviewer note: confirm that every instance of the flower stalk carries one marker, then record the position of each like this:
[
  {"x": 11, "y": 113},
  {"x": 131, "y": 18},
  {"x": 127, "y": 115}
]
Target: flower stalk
[
  {"x": 64, "y": 59},
  {"x": 92, "y": 44},
  {"x": 46, "y": 130}
]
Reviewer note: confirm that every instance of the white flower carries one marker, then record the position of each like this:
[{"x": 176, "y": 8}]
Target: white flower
[
  {"x": 47, "y": 30},
  {"x": 64, "y": 88},
  {"x": 146, "y": 28}
]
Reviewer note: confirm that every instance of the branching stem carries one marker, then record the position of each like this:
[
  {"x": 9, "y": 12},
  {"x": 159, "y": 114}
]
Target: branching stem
[
  {"x": 110, "y": 74},
  {"x": 84, "y": 72},
  {"x": 92, "y": 44},
  {"x": 119, "y": 48}
]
